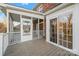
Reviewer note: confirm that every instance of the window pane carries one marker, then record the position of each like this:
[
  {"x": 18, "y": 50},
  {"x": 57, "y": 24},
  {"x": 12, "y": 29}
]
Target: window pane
[
  {"x": 14, "y": 22},
  {"x": 26, "y": 26}
]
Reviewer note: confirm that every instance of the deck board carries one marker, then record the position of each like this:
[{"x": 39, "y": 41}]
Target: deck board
[{"x": 36, "y": 48}]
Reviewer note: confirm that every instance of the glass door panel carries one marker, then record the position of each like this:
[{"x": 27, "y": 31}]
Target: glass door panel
[
  {"x": 41, "y": 28},
  {"x": 53, "y": 30},
  {"x": 65, "y": 30},
  {"x": 35, "y": 28},
  {"x": 61, "y": 30}
]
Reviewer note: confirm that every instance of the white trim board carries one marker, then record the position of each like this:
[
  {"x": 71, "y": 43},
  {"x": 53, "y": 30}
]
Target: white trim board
[{"x": 26, "y": 14}]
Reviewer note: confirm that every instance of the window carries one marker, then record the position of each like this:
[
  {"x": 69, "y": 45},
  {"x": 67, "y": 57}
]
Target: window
[
  {"x": 26, "y": 26},
  {"x": 61, "y": 30},
  {"x": 14, "y": 22},
  {"x": 26, "y": 21}
]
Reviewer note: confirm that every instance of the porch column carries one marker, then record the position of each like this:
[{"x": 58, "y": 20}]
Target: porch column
[
  {"x": 32, "y": 27},
  {"x": 21, "y": 26},
  {"x": 43, "y": 27},
  {"x": 7, "y": 22},
  {"x": 38, "y": 28}
]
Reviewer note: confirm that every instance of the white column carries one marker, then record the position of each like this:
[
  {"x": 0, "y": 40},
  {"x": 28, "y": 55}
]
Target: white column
[
  {"x": 43, "y": 27},
  {"x": 32, "y": 27},
  {"x": 7, "y": 27},
  {"x": 7, "y": 22},
  {"x": 38, "y": 28},
  {"x": 48, "y": 29},
  {"x": 21, "y": 27}
]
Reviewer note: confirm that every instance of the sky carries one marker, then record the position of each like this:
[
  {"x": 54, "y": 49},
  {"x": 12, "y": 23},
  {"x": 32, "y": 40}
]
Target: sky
[
  {"x": 2, "y": 16},
  {"x": 29, "y": 6}
]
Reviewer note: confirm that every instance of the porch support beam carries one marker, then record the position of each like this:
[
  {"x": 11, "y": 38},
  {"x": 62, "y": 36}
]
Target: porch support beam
[
  {"x": 43, "y": 27},
  {"x": 7, "y": 22},
  {"x": 38, "y": 28},
  {"x": 32, "y": 27},
  {"x": 21, "y": 26}
]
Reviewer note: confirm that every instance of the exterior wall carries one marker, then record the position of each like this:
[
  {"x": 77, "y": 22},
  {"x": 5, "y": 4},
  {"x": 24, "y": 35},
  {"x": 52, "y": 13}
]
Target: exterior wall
[
  {"x": 74, "y": 9},
  {"x": 76, "y": 28}
]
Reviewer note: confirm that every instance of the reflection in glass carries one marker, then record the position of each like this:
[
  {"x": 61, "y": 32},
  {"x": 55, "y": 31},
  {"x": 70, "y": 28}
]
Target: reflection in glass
[
  {"x": 66, "y": 23},
  {"x": 64, "y": 43},
  {"x": 69, "y": 45},
  {"x": 53, "y": 30},
  {"x": 35, "y": 28}
]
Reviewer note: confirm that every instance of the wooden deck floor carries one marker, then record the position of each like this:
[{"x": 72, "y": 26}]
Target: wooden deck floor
[{"x": 36, "y": 48}]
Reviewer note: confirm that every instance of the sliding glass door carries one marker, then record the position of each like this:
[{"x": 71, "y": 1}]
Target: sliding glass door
[
  {"x": 65, "y": 30},
  {"x": 35, "y": 28},
  {"x": 53, "y": 30},
  {"x": 61, "y": 30},
  {"x": 41, "y": 28}
]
